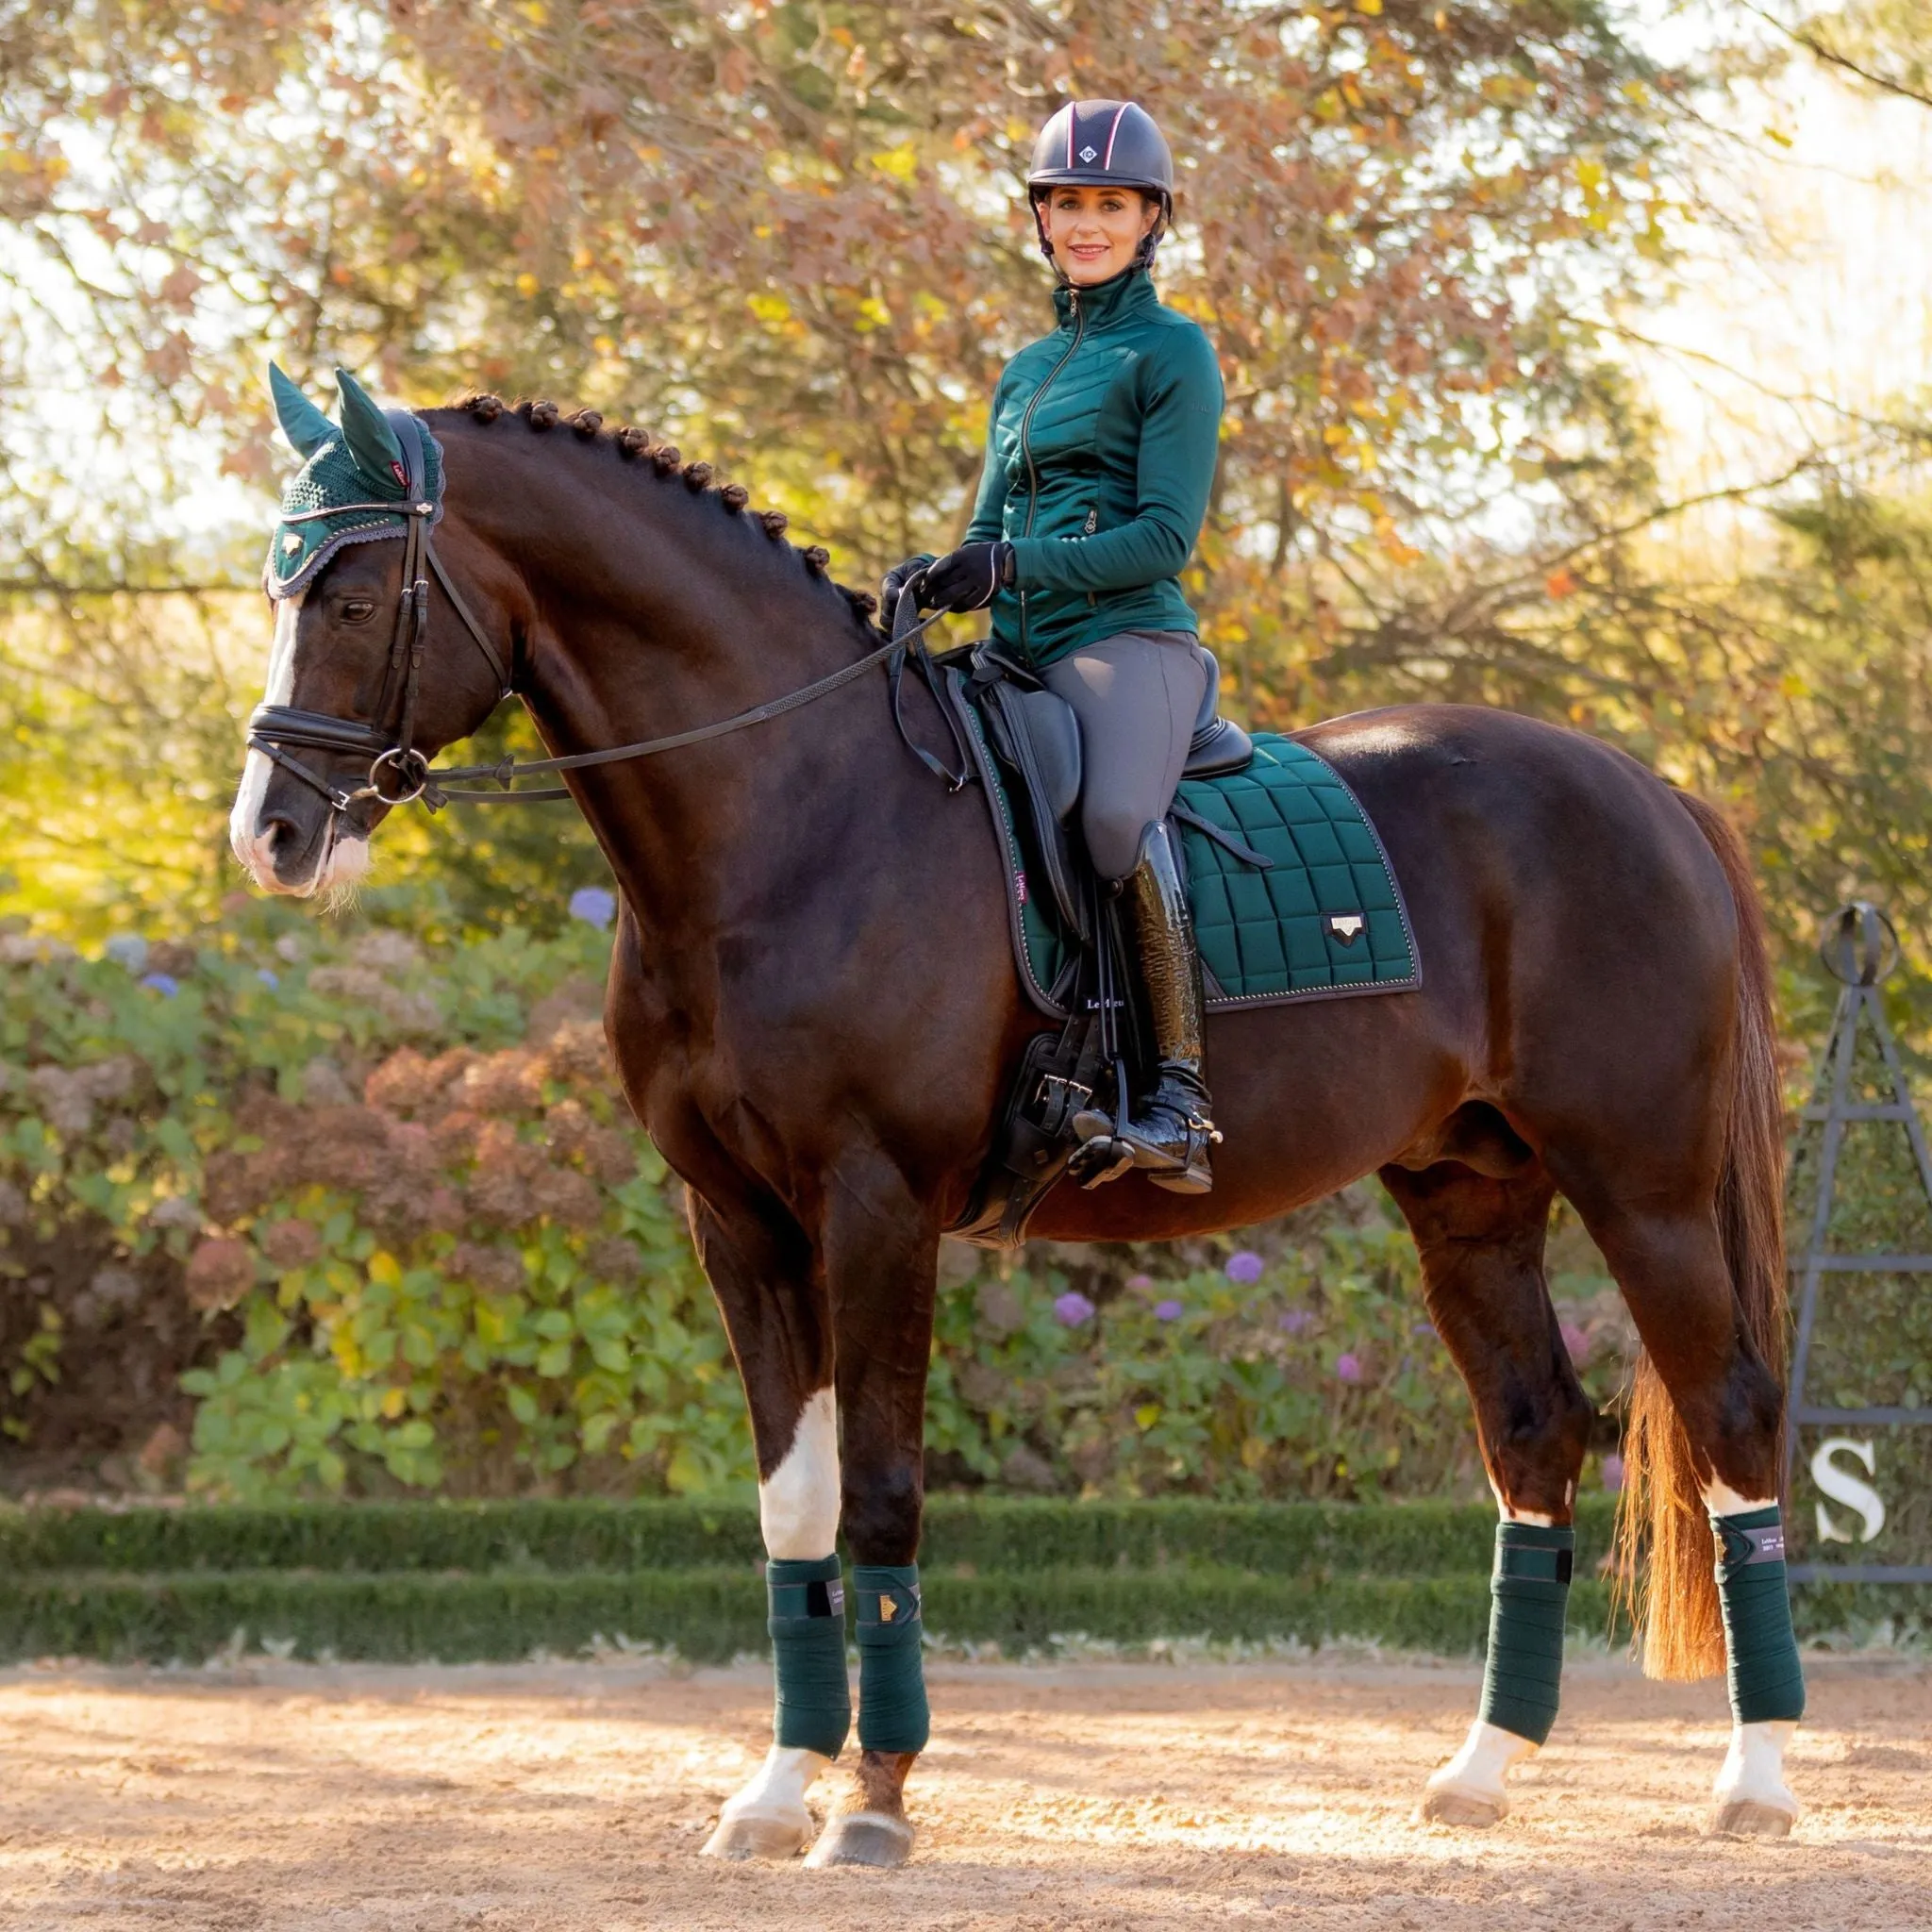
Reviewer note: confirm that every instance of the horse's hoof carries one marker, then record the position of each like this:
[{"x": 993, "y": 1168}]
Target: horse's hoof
[
  {"x": 862, "y": 1837},
  {"x": 1746, "y": 1818},
  {"x": 1446, "y": 1806},
  {"x": 758, "y": 1835}
]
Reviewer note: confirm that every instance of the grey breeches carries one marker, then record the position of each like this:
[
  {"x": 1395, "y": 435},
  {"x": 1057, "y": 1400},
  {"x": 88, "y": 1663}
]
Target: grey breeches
[{"x": 1136, "y": 696}]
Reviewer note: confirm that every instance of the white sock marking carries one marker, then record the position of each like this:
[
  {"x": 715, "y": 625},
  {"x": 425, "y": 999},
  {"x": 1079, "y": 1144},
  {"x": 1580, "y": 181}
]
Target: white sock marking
[
  {"x": 798, "y": 1503},
  {"x": 1722, "y": 1500},
  {"x": 1477, "y": 1770},
  {"x": 777, "y": 1788},
  {"x": 1754, "y": 1768},
  {"x": 1509, "y": 1515}
]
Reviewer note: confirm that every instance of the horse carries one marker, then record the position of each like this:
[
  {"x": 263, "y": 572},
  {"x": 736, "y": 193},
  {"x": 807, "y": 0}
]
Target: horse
[{"x": 814, "y": 1009}]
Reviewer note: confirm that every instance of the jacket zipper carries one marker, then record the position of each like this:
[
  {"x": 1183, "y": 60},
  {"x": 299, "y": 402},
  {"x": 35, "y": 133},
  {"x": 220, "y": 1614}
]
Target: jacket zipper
[{"x": 1027, "y": 444}]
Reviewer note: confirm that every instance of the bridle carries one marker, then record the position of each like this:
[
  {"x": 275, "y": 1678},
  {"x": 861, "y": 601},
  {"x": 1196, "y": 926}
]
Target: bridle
[{"x": 272, "y": 729}]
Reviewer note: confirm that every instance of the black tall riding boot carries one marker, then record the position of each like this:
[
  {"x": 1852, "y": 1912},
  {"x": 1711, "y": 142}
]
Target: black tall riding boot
[{"x": 1170, "y": 1131}]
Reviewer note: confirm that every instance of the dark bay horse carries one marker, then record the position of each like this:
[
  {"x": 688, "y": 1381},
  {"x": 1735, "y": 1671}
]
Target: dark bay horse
[{"x": 814, "y": 1009}]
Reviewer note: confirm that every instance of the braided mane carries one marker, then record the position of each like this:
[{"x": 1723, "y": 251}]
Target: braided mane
[{"x": 635, "y": 445}]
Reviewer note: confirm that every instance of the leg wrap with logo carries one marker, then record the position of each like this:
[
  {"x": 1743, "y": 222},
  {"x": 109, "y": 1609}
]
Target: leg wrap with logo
[
  {"x": 1529, "y": 1590},
  {"x": 1767, "y": 1682},
  {"x": 807, "y": 1626},
  {"x": 892, "y": 1711}
]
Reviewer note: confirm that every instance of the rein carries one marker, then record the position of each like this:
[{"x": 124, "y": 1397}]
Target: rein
[{"x": 273, "y": 728}]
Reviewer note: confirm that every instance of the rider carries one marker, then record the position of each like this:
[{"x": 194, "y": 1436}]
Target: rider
[{"x": 1100, "y": 454}]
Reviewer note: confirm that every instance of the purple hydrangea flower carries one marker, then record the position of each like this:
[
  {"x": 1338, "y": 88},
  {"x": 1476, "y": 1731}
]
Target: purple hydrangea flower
[
  {"x": 163, "y": 983},
  {"x": 1575, "y": 1342},
  {"x": 1424, "y": 1328},
  {"x": 1348, "y": 1368},
  {"x": 1169, "y": 1310},
  {"x": 1073, "y": 1309},
  {"x": 1296, "y": 1321},
  {"x": 594, "y": 906},
  {"x": 1244, "y": 1266},
  {"x": 1613, "y": 1473},
  {"x": 1139, "y": 1284},
  {"x": 267, "y": 977}
]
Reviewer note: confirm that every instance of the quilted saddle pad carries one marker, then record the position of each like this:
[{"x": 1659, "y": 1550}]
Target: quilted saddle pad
[{"x": 1325, "y": 920}]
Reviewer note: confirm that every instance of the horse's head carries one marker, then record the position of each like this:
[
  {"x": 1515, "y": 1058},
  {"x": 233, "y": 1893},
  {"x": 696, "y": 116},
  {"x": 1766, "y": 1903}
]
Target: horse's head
[{"x": 357, "y": 699}]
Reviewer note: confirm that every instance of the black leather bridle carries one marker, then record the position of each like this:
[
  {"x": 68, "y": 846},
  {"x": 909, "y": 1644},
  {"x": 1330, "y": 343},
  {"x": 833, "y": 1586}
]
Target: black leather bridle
[{"x": 400, "y": 774}]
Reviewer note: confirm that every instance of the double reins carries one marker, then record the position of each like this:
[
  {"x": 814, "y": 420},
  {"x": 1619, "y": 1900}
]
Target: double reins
[{"x": 400, "y": 774}]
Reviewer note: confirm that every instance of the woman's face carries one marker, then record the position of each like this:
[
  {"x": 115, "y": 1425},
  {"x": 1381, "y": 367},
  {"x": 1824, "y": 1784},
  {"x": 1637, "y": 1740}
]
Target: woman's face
[{"x": 1095, "y": 232}]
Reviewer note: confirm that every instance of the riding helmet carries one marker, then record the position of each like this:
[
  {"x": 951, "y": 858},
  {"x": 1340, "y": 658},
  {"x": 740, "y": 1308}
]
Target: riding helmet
[{"x": 1099, "y": 145}]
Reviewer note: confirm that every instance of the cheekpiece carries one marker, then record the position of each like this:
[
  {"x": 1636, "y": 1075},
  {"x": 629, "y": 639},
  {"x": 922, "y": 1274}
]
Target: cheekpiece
[{"x": 332, "y": 501}]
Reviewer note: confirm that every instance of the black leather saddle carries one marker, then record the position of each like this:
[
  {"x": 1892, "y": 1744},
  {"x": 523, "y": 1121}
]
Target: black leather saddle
[{"x": 1037, "y": 738}]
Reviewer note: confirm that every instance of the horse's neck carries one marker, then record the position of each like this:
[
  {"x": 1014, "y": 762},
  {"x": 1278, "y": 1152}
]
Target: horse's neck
[{"x": 643, "y": 633}]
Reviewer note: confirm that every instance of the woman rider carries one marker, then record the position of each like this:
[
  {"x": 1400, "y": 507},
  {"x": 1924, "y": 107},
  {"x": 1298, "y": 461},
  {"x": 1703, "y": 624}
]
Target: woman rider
[{"x": 1100, "y": 454}]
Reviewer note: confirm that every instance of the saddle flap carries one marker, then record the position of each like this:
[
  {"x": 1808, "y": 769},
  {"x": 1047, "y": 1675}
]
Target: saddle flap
[{"x": 1052, "y": 733}]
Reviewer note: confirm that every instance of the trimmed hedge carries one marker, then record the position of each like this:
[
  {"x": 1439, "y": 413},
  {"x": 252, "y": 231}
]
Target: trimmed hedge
[
  {"x": 712, "y": 1615},
  {"x": 1296, "y": 1540}
]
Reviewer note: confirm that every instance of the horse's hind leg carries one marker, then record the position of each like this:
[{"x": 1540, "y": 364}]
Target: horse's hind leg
[
  {"x": 1706, "y": 1389},
  {"x": 1481, "y": 1242}
]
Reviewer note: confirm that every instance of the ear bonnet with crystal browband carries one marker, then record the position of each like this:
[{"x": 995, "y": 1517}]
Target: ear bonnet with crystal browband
[{"x": 355, "y": 483}]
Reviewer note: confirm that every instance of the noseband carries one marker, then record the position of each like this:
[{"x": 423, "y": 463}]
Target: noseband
[{"x": 400, "y": 774}]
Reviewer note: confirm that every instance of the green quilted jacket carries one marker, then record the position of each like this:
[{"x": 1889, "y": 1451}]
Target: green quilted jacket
[{"x": 1099, "y": 457}]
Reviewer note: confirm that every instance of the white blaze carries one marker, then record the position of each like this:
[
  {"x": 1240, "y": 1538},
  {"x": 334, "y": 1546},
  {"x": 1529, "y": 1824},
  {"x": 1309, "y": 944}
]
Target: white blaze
[
  {"x": 344, "y": 856},
  {"x": 798, "y": 1503}
]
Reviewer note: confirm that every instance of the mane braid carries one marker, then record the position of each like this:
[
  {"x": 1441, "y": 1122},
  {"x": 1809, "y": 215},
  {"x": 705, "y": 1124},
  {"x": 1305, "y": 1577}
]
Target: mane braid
[{"x": 633, "y": 443}]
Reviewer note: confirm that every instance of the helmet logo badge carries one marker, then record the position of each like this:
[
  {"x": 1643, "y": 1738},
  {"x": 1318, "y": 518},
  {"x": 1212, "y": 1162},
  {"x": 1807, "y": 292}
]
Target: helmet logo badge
[{"x": 1087, "y": 154}]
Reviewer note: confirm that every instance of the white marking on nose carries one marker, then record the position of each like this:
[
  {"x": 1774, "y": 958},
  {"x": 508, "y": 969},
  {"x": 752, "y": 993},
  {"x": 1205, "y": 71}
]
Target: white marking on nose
[
  {"x": 245, "y": 835},
  {"x": 798, "y": 1503}
]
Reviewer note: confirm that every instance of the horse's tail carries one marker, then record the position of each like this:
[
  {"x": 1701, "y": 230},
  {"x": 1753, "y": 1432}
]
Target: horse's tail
[{"x": 1661, "y": 1509}]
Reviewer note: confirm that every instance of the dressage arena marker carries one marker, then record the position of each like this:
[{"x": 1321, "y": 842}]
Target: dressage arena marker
[{"x": 1860, "y": 950}]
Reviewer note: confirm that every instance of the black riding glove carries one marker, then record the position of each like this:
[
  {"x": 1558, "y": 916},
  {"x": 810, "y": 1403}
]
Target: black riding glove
[
  {"x": 969, "y": 578},
  {"x": 893, "y": 582}
]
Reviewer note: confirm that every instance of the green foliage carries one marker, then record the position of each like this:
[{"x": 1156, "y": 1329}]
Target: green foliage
[
  {"x": 961, "y": 1533},
  {"x": 496, "y": 1580},
  {"x": 425, "y": 1250},
  {"x": 1308, "y": 1369}
]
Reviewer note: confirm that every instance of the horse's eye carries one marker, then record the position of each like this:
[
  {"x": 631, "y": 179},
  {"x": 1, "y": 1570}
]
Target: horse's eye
[{"x": 359, "y": 610}]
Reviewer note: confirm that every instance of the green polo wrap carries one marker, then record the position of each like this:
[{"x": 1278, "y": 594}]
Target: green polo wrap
[
  {"x": 1529, "y": 1590},
  {"x": 892, "y": 1710},
  {"x": 807, "y": 1626},
  {"x": 1767, "y": 1681}
]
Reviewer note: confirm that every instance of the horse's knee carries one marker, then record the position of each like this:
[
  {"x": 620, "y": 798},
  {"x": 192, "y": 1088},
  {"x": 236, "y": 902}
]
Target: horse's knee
[{"x": 882, "y": 1511}]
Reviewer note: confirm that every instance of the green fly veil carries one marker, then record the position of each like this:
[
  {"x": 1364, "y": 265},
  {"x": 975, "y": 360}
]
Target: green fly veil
[{"x": 353, "y": 485}]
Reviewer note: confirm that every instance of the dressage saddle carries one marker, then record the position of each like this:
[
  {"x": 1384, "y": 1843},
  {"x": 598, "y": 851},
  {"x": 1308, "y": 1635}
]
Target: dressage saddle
[{"x": 1036, "y": 737}]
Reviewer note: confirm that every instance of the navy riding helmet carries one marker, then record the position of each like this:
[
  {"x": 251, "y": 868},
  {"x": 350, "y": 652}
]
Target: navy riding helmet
[{"x": 1100, "y": 144}]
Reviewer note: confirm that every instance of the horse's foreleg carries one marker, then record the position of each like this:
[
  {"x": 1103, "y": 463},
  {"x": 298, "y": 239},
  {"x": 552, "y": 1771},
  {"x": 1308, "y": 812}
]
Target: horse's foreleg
[
  {"x": 776, "y": 1317},
  {"x": 1481, "y": 1243},
  {"x": 881, "y": 1256}
]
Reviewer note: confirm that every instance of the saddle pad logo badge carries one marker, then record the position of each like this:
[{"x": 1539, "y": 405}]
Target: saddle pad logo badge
[{"x": 1346, "y": 926}]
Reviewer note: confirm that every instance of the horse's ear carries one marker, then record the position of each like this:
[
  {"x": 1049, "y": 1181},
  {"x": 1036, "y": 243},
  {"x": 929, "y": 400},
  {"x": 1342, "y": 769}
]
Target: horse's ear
[
  {"x": 373, "y": 444},
  {"x": 303, "y": 423}
]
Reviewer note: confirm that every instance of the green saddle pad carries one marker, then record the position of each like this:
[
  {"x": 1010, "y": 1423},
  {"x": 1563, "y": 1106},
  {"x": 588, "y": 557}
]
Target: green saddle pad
[{"x": 1325, "y": 921}]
